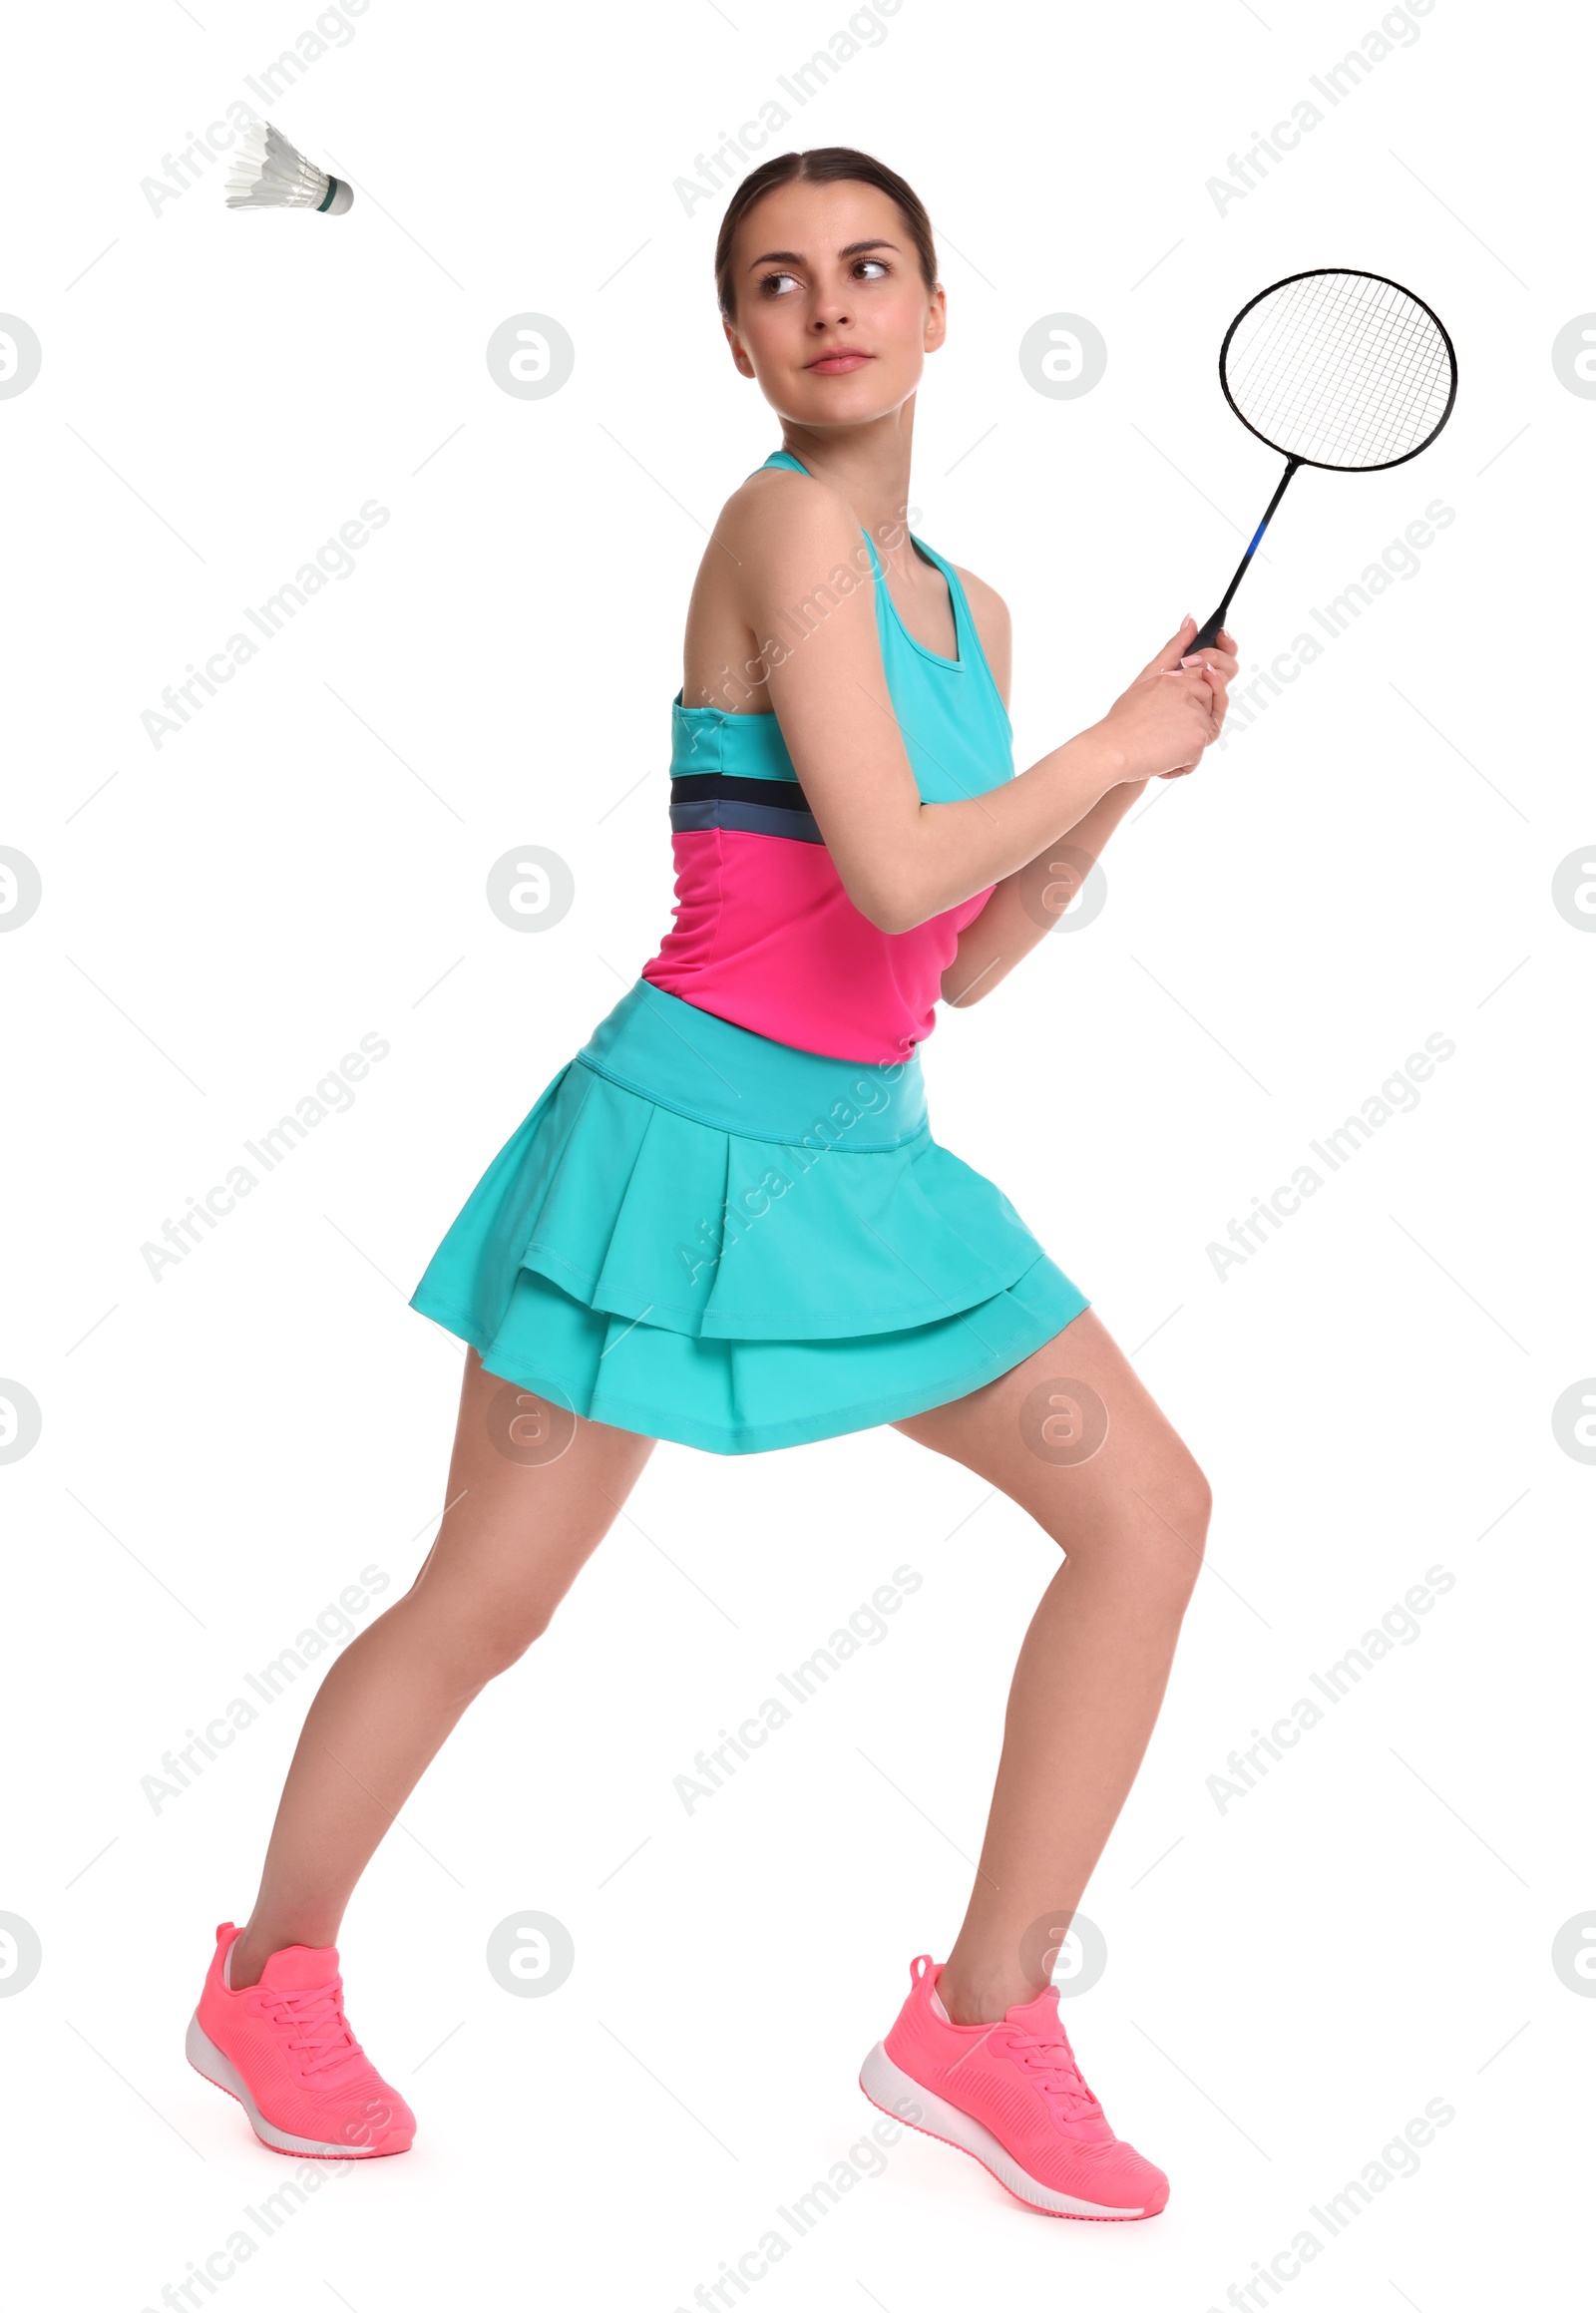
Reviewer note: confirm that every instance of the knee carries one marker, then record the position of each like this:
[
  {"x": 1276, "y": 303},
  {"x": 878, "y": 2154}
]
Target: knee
[
  {"x": 1194, "y": 1503},
  {"x": 476, "y": 1636},
  {"x": 1157, "y": 1530},
  {"x": 496, "y": 1640},
  {"x": 492, "y": 1648},
  {"x": 1151, "y": 1528},
  {"x": 1185, "y": 1503}
]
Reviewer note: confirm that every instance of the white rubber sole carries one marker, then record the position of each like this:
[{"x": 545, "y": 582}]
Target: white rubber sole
[
  {"x": 897, "y": 2095},
  {"x": 208, "y": 2060}
]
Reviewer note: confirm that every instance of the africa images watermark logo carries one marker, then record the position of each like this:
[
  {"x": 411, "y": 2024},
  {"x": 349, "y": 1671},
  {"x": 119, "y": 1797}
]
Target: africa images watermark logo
[
  {"x": 1397, "y": 29},
  {"x": 1399, "y": 561},
  {"x": 195, "y": 157},
  {"x": 865, "y": 1628},
  {"x": 334, "y": 1624},
  {"x": 1398, "y": 1626},
  {"x": 1397, "y": 1095},
  {"x": 333, "y": 561},
  {"x": 863, "y": 2161},
  {"x": 332, "y": 1095},
  {"x": 1397, "y": 2158},
  {"x": 735, "y": 154}
]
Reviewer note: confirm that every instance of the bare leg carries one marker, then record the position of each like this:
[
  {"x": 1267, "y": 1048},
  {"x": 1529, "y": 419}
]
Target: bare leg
[
  {"x": 1132, "y": 1519},
  {"x": 513, "y": 1540}
]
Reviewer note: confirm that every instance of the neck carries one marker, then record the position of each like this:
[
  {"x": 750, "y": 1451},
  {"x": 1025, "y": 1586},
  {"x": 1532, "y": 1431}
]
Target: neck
[{"x": 869, "y": 464}]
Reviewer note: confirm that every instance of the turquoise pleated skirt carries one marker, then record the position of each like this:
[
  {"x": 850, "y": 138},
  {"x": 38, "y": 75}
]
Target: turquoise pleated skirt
[{"x": 703, "y": 1235}]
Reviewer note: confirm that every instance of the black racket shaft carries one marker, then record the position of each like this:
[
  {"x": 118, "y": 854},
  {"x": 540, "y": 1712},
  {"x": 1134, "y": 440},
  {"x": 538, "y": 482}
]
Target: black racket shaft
[{"x": 1207, "y": 634}]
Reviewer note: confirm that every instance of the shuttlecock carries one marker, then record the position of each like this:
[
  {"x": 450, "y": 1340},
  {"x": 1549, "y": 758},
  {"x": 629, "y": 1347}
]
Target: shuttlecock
[{"x": 267, "y": 172}]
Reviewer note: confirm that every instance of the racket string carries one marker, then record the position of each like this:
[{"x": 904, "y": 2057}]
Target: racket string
[
  {"x": 1303, "y": 378},
  {"x": 1315, "y": 395},
  {"x": 1342, "y": 369}
]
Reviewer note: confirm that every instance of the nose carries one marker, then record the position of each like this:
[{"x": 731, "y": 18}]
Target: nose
[{"x": 828, "y": 309}]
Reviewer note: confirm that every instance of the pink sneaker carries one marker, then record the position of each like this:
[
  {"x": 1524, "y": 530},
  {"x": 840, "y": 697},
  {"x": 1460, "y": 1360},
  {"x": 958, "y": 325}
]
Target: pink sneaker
[
  {"x": 1012, "y": 2095},
  {"x": 283, "y": 2048}
]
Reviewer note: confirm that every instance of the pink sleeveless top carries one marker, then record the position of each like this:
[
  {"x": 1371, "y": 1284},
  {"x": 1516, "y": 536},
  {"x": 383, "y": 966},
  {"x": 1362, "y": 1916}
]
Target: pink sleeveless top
[{"x": 764, "y": 933}]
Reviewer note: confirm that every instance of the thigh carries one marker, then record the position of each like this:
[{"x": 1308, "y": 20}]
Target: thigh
[
  {"x": 531, "y": 1491},
  {"x": 1074, "y": 1436}
]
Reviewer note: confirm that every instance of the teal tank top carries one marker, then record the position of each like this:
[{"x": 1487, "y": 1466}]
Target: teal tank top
[{"x": 764, "y": 933}]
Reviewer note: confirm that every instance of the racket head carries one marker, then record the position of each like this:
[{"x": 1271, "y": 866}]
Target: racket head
[{"x": 1350, "y": 365}]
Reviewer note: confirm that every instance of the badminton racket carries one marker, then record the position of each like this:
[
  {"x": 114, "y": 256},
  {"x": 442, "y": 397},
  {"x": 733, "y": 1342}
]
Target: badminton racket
[{"x": 1347, "y": 371}]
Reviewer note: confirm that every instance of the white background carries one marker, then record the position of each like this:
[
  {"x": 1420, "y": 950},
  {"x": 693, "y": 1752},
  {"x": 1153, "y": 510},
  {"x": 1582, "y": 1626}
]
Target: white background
[{"x": 1289, "y": 1981}]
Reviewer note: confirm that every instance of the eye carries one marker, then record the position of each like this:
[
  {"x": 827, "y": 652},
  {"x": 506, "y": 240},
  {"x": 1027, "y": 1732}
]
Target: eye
[
  {"x": 768, "y": 283},
  {"x": 882, "y": 268}
]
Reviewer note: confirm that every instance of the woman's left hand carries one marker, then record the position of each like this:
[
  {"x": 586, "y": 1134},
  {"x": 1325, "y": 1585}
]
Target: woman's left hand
[{"x": 1222, "y": 663}]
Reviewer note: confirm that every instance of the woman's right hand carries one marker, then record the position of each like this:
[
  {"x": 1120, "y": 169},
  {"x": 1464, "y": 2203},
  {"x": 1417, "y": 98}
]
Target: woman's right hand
[{"x": 1171, "y": 712}]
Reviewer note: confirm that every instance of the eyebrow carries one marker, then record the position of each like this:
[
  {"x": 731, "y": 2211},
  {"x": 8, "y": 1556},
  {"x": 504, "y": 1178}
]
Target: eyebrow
[{"x": 791, "y": 257}]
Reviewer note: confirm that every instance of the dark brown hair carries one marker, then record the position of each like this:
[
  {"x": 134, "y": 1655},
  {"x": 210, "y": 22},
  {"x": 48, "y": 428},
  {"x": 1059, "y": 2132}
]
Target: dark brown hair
[{"x": 825, "y": 165}]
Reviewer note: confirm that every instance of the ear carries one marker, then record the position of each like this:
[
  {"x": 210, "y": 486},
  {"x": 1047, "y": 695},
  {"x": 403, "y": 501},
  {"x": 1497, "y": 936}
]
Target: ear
[
  {"x": 738, "y": 354},
  {"x": 937, "y": 319}
]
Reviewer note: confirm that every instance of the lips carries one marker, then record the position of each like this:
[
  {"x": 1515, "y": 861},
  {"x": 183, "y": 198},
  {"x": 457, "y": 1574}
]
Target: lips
[{"x": 838, "y": 361}]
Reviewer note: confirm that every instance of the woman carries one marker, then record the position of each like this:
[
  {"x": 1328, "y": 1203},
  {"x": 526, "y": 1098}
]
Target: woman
[{"x": 725, "y": 1221}]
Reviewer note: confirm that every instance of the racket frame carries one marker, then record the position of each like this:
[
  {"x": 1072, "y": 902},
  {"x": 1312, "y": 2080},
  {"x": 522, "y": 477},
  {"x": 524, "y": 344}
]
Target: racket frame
[{"x": 1206, "y": 633}]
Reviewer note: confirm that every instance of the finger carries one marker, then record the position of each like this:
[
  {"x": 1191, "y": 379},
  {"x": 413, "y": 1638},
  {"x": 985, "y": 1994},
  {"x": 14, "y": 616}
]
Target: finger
[
  {"x": 1217, "y": 669},
  {"x": 1202, "y": 706},
  {"x": 1219, "y": 661},
  {"x": 1170, "y": 655}
]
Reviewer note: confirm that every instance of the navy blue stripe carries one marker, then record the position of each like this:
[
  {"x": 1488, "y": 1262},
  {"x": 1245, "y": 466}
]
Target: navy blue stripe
[
  {"x": 745, "y": 818},
  {"x": 779, "y": 794}
]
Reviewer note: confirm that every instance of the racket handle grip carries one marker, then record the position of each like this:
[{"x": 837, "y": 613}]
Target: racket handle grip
[{"x": 1207, "y": 635}]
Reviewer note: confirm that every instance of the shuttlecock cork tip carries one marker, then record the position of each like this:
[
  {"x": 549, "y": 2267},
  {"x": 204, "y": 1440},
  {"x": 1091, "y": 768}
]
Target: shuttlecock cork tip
[{"x": 269, "y": 172}]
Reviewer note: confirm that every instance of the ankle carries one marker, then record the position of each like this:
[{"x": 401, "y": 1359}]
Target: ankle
[
  {"x": 974, "y": 1999},
  {"x": 254, "y": 1946},
  {"x": 967, "y": 2001},
  {"x": 252, "y": 1949},
  {"x": 245, "y": 1962}
]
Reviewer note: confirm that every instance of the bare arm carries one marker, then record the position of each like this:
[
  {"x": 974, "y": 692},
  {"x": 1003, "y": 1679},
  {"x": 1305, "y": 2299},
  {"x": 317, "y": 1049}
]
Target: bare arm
[
  {"x": 901, "y": 860},
  {"x": 1027, "y": 905}
]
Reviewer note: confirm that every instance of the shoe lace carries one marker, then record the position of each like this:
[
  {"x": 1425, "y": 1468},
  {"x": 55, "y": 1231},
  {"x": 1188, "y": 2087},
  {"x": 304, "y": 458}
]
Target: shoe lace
[
  {"x": 313, "y": 2018},
  {"x": 1049, "y": 2055}
]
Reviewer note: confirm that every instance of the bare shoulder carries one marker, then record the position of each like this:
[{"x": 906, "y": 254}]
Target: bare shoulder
[
  {"x": 985, "y": 600},
  {"x": 779, "y": 558},
  {"x": 777, "y": 517},
  {"x": 992, "y": 624}
]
